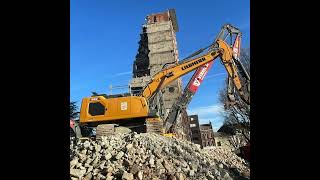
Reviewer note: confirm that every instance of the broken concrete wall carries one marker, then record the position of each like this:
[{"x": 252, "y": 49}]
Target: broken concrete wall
[
  {"x": 157, "y": 47},
  {"x": 195, "y": 130},
  {"x": 182, "y": 127}
]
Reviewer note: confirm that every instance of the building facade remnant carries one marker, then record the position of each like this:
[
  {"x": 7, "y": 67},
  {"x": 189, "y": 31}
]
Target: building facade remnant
[
  {"x": 158, "y": 49},
  {"x": 207, "y": 135}
]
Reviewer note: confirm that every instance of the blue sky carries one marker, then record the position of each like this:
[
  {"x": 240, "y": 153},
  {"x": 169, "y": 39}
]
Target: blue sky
[{"x": 104, "y": 39}]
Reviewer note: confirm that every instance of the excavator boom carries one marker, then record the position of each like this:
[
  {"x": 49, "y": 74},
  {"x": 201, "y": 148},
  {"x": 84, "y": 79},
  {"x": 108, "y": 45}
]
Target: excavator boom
[{"x": 170, "y": 74}]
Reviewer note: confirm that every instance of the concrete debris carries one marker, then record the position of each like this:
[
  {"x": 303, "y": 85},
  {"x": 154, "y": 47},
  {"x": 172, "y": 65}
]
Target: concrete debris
[
  {"x": 129, "y": 146},
  {"x": 77, "y": 172},
  {"x": 88, "y": 176},
  {"x": 229, "y": 159},
  {"x": 109, "y": 177},
  {"x": 140, "y": 175},
  {"x": 127, "y": 176},
  {"x": 108, "y": 156},
  {"x": 150, "y": 156},
  {"x": 86, "y": 144},
  {"x": 119, "y": 155}
]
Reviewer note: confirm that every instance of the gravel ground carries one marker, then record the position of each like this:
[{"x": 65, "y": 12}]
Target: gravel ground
[{"x": 151, "y": 156}]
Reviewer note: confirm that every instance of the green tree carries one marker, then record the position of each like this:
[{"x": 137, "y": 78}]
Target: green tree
[{"x": 74, "y": 110}]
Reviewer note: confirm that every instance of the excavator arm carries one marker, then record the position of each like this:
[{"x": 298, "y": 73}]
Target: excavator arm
[
  {"x": 243, "y": 86},
  {"x": 234, "y": 67},
  {"x": 233, "y": 73},
  {"x": 170, "y": 74},
  {"x": 227, "y": 31}
]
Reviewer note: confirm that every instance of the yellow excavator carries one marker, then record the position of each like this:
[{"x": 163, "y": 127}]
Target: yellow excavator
[{"x": 141, "y": 113}]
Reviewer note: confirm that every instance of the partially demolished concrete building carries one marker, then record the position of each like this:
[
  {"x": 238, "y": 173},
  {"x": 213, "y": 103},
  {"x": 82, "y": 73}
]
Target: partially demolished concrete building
[{"x": 157, "y": 49}]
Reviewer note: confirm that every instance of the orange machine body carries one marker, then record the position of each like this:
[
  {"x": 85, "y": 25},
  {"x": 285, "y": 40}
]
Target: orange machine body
[{"x": 99, "y": 108}]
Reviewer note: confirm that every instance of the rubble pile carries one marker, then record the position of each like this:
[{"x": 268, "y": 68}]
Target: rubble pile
[
  {"x": 230, "y": 159},
  {"x": 147, "y": 156}
]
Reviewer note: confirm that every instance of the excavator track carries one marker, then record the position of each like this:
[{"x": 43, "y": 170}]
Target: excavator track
[
  {"x": 154, "y": 125},
  {"x": 105, "y": 130},
  {"x": 150, "y": 125}
]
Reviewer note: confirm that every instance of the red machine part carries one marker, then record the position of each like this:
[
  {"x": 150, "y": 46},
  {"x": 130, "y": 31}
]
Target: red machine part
[
  {"x": 236, "y": 47},
  {"x": 198, "y": 78}
]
